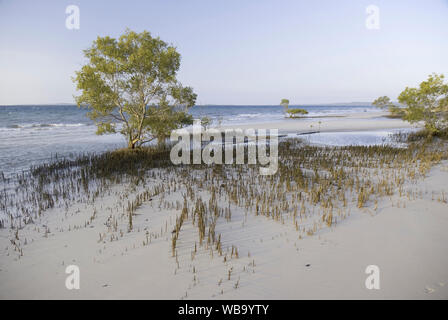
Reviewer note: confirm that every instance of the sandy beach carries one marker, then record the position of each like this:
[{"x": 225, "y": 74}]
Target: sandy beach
[
  {"x": 347, "y": 122},
  {"x": 404, "y": 234},
  {"x": 407, "y": 243}
]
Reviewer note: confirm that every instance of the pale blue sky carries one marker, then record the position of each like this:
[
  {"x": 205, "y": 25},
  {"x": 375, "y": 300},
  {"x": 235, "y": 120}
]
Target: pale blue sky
[{"x": 234, "y": 51}]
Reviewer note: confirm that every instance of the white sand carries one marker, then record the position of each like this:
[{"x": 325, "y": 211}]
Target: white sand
[
  {"x": 349, "y": 122},
  {"x": 408, "y": 244}
]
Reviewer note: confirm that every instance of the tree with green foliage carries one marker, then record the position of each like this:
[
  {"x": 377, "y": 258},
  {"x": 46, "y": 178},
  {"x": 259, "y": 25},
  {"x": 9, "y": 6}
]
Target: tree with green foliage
[
  {"x": 386, "y": 104},
  {"x": 129, "y": 85},
  {"x": 164, "y": 120},
  {"x": 427, "y": 103},
  {"x": 285, "y": 104},
  {"x": 294, "y": 113}
]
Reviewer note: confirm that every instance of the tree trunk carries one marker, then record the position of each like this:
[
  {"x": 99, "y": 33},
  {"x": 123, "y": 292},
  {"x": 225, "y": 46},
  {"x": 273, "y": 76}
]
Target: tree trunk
[{"x": 161, "y": 139}]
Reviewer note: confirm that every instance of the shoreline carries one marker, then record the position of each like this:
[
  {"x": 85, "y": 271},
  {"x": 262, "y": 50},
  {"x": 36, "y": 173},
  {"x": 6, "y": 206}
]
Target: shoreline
[{"x": 348, "y": 122}]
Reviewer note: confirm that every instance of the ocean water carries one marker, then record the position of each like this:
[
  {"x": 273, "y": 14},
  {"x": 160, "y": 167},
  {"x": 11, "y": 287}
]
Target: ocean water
[
  {"x": 356, "y": 138},
  {"x": 230, "y": 115},
  {"x": 31, "y": 135}
]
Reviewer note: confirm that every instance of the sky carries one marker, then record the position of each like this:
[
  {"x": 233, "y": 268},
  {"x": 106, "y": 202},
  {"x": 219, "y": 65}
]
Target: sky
[{"x": 234, "y": 51}]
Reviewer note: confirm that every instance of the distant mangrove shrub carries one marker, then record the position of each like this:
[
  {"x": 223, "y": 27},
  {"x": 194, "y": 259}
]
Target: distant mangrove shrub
[
  {"x": 427, "y": 103},
  {"x": 285, "y": 104},
  {"x": 386, "y": 104},
  {"x": 294, "y": 113}
]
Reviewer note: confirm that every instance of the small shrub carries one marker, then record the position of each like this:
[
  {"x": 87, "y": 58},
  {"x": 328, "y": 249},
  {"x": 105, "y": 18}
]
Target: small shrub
[{"x": 294, "y": 113}]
